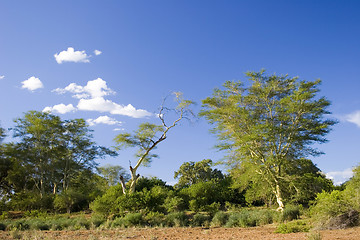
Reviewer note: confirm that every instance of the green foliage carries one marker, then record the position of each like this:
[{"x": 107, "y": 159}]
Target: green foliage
[
  {"x": 290, "y": 212},
  {"x": 293, "y": 227},
  {"x": 174, "y": 203},
  {"x": 220, "y": 218},
  {"x": 268, "y": 127},
  {"x": 251, "y": 218},
  {"x": 177, "y": 219},
  {"x": 195, "y": 172},
  {"x": 112, "y": 173},
  {"x": 115, "y": 202},
  {"x": 201, "y": 220},
  {"x": 129, "y": 220},
  {"x": 329, "y": 205},
  {"x": 314, "y": 236},
  {"x": 154, "y": 219},
  {"x": 352, "y": 189},
  {"x": 68, "y": 200}
]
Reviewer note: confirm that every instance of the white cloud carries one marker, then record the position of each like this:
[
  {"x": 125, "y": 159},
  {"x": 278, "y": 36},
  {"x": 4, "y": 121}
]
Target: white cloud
[
  {"x": 118, "y": 129},
  {"x": 103, "y": 105},
  {"x": 70, "y": 55},
  {"x": 91, "y": 98},
  {"x": 94, "y": 88},
  {"x": 353, "y": 118},
  {"x": 103, "y": 120},
  {"x": 340, "y": 177},
  {"x": 97, "y": 52},
  {"x": 32, "y": 84},
  {"x": 2, "y": 77},
  {"x": 60, "y": 108}
]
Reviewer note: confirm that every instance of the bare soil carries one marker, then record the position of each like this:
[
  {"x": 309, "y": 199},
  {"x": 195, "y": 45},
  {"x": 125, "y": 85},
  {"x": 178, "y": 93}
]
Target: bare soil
[{"x": 263, "y": 233}]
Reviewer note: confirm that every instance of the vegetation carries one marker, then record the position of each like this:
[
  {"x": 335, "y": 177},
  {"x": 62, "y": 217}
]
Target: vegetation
[
  {"x": 268, "y": 128},
  {"x": 49, "y": 169}
]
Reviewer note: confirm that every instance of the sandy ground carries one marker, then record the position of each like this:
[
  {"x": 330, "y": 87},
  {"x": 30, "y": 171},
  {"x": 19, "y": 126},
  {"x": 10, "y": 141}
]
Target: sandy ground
[{"x": 263, "y": 233}]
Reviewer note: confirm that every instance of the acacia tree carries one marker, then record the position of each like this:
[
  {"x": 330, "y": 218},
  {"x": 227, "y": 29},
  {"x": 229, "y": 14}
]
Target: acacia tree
[
  {"x": 191, "y": 173},
  {"x": 147, "y": 137},
  {"x": 52, "y": 152},
  {"x": 268, "y": 126}
]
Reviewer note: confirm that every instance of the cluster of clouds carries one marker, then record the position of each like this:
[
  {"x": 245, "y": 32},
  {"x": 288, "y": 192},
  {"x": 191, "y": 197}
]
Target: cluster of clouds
[
  {"x": 70, "y": 55},
  {"x": 90, "y": 97}
]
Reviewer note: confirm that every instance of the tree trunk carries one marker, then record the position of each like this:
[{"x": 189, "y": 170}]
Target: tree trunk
[{"x": 279, "y": 198}]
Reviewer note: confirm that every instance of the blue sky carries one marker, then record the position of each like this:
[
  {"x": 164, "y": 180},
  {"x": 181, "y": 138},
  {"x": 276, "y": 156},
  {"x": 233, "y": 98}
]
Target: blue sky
[{"x": 122, "y": 57}]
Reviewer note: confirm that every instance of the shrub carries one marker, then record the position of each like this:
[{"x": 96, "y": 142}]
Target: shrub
[
  {"x": 290, "y": 212},
  {"x": 18, "y": 225},
  {"x": 200, "y": 220},
  {"x": 219, "y": 219},
  {"x": 293, "y": 227},
  {"x": 97, "y": 220},
  {"x": 329, "y": 205},
  {"x": 241, "y": 219},
  {"x": 314, "y": 236},
  {"x": 37, "y": 224},
  {"x": 155, "y": 219},
  {"x": 174, "y": 204},
  {"x": 177, "y": 219},
  {"x": 133, "y": 220}
]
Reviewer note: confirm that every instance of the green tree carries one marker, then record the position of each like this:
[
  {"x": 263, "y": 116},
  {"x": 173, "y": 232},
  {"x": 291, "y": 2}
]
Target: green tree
[
  {"x": 194, "y": 172},
  {"x": 50, "y": 154},
  {"x": 147, "y": 137},
  {"x": 112, "y": 173},
  {"x": 268, "y": 126}
]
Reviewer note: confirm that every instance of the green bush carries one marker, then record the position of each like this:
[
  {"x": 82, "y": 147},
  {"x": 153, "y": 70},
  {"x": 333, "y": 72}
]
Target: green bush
[
  {"x": 200, "y": 220},
  {"x": 18, "y": 225},
  {"x": 177, "y": 219},
  {"x": 37, "y": 224},
  {"x": 155, "y": 219},
  {"x": 290, "y": 212},
  {"x": 329, "y": 205},
  {"x": 241, "y": 219},
  {"x": 293, "y": 227},
  {"x": 174, "y": 204},
  {"x": 133, "y": 220},
  {"x": 220, "y": 218},
  {"x": 97, "y": 220}
]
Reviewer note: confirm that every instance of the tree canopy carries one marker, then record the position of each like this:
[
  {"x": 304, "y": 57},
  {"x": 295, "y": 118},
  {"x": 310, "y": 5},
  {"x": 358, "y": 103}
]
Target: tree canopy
[{"x": 268, "y": 126}]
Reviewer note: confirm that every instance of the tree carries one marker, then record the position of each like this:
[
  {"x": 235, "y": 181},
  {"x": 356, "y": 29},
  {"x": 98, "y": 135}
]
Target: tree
[
  {"x": 194, "y": 172},
  {"x": 112, "y": 173},
  {"x": 147, "y": 137},
  {"x": 50, "y": 153},
  {"x": 268, "y": 126}
]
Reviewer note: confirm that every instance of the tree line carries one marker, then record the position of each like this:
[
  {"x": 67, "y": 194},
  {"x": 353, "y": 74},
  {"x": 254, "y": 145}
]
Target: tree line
[{"x": 267, "y": 125}]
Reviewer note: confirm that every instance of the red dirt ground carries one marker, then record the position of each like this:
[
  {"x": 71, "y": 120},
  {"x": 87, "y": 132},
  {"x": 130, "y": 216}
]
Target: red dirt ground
[{"x": 263, "y": 233}]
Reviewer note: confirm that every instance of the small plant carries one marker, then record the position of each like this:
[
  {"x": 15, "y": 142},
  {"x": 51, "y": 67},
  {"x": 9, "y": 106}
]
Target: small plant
[
  {"x": 291, "y": 212},
  {"x": 314, "y": 236},
  {"x": 133, "y": 220},
  {"x": 177, "y": 219},
  {"x": 200, "y": 220},
  {"x": 219, "y": 219},
  {"x": 293, "y": 227},
  {"x": 155, "y": 219}
]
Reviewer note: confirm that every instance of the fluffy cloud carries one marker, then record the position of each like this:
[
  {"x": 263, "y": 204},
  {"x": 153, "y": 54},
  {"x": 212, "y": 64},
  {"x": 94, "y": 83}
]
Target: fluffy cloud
[
  {"x": 70, "y": 55},
  {"x": 103, "y": 120},
  {"x": 91, "y": 98},
  {"x": 32, "y": 84},
  {"x": 103, "y": 105},
  {"x": 60, "y": 108},
  {"x": 2, "y": 77},
  {"x": 353, "y": 118},
  {"x": 340, "y": 177},
  {"x": 93, "y": 89},
  {"x": 97, "y": 52}
]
